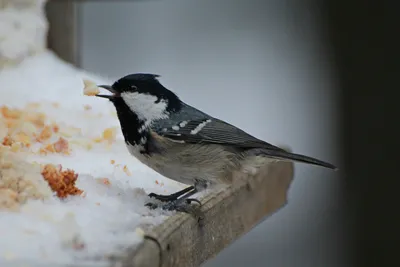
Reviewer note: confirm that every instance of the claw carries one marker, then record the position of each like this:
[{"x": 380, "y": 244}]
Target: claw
[{"x": 190, "y": 200}]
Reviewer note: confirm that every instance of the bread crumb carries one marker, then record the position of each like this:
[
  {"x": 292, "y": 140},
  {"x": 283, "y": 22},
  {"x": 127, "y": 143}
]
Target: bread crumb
[
  {"x": 61, "y": 182},
  {"x": 61, "y": 146},
  {"x": 109, "y": 134},
  {"x": 112, "y": 162},
  {"x": 10, "y": 113},
  {"x": 49, "y": 148},
  {"x": 45, "y": 134},
  {"x": 7, "y": 141},
  {"x": 90, "y": 88},
  {"x": 127, "y": 171}
]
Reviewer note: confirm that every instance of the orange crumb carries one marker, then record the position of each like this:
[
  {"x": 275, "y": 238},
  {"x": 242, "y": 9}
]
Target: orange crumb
[
  {"x": 10, "y": 123},
  {"x": 7, "y": 141},
  {"x": 38, "y": 120},
  {"x": 109, "y": 134},
  {"x": 23, "y": 138},
  {"x": 112, "y": 161},
  {"x": 10, "y": 113},
  {"x": 157, "y": 182},
  {"x": 104, "y": 181},
  {"x": 61, "y": 146},
  {"x": 49, "y": 148},
  {"x": 61, "y": 182},
  {"x": 55, "y": 128},
  {"x": 98, "y": 203},
  {"x": 127, "y": 171},
  {"x": 45, "y": 134}
]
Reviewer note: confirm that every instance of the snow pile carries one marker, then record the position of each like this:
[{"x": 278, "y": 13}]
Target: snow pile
[
  {"x": 103, "y": 221},
  {"x": 23, "y": 29}
]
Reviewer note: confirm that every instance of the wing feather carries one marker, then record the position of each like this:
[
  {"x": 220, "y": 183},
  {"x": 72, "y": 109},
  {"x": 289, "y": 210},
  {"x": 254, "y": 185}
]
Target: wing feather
[{"x": 193, "y": 126}]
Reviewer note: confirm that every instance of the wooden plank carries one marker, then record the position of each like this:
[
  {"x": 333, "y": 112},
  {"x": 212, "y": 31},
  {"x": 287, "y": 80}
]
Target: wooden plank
[
  {"x": 228, "y": 214},
  {"x": 63, "y": 30}
]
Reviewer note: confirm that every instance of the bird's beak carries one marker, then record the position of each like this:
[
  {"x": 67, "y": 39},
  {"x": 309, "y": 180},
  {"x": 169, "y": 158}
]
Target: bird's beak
[{"x": 109, "y": 88}]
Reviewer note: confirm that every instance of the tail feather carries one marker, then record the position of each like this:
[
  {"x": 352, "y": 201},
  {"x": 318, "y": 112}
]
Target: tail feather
[{"x": 297, "y": 157}]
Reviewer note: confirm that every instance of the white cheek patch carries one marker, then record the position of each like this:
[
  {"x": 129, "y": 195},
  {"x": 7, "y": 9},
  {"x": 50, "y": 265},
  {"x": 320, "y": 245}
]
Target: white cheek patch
[{"x": 145, "y": 106}]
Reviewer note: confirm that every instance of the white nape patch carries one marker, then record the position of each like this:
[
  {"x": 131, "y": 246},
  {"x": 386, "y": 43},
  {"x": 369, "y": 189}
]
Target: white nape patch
[
  {"x": 175, "y": 127},
  {"x": 183, "y": 123},
  {"x": 199, "y": 127},
  {"x": 145, "y": 107}
]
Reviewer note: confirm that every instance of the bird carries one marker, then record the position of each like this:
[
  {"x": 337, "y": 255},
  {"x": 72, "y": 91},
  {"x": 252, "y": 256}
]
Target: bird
[{"x": 183, "y": 143}]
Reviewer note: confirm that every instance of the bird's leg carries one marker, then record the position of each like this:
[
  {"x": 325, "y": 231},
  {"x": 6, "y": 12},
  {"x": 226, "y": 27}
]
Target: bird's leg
[{"x": 172, "y": 197}]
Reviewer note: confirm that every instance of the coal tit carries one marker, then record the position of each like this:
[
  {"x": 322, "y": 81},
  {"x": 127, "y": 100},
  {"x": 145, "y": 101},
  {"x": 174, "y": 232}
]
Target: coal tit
[{"x": 183, "y": 143}]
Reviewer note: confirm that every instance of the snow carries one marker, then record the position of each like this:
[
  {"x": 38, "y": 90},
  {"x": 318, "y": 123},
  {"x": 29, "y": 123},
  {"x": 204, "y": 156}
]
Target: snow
[
  {"x": 23, "y": 29},
  {"x": 106, "y": 219}
]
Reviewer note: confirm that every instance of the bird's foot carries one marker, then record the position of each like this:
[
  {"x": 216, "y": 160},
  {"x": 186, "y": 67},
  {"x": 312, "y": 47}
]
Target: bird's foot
[
  {"x": 168, "y": 198},
  {"x": 181, "y": 205}
]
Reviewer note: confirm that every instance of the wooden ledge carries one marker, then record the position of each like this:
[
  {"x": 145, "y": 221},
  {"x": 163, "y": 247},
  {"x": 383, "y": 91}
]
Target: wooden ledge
[{"x": 184, "y": 241}]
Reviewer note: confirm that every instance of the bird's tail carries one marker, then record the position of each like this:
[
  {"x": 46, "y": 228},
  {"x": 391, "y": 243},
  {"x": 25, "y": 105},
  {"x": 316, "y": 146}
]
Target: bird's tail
[{"x": 281, "y": 154}]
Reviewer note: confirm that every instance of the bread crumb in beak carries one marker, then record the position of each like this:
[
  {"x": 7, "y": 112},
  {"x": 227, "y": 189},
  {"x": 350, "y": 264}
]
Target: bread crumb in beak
[{"x": 90, "y": 88}]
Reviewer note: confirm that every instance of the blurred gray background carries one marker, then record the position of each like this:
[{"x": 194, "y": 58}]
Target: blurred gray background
[{"x": 257, "y": 64}]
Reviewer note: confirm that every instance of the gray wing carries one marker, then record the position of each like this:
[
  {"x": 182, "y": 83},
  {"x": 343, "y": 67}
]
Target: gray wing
[{"x": 193, "y": 126}]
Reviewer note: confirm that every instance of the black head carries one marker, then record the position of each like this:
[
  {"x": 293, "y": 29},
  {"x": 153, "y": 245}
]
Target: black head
[
  {"x": 142, "y": 84},
  {"x": 140, "y": 99}
]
